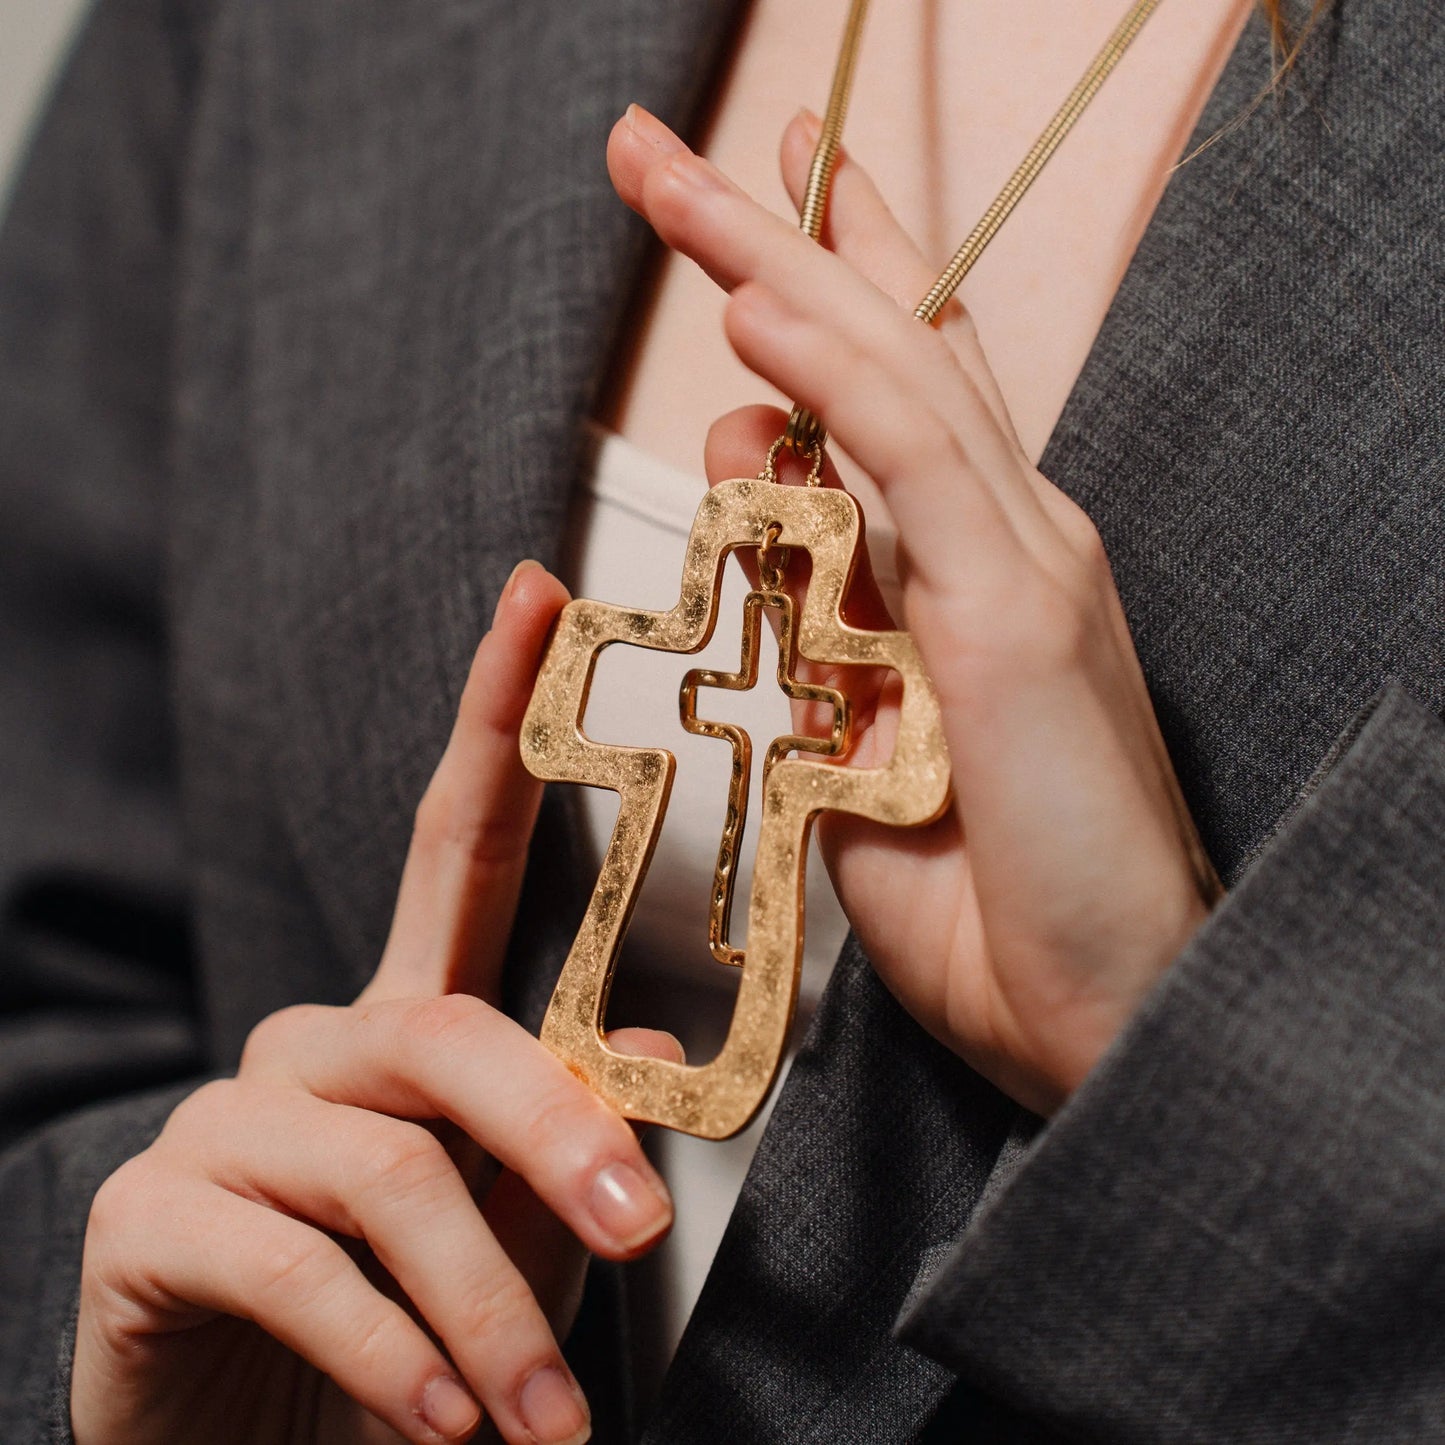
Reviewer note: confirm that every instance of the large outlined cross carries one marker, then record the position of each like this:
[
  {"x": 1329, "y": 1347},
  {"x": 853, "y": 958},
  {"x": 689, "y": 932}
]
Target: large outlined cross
[{"x": 718, "y": 1098}]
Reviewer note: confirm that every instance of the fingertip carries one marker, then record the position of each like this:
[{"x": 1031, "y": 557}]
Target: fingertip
[
  {"x": 638, "y": 1043},
  {"x": 800, "y": 140},
  {"x": 538, "y": 590},
  {"x": 636, "y": 142},
  {"x": 623, "y": 167},
  {"x": 448, "y": 1410},
  {"x": 510, "y": 651},
  {"x": 631, "y": 1207},
  {"x": 554, "y": 1408},
  {"x": 651, "y": 131},
  {"x": 530, "y": 595},
  {"x": 738, "y": 442},
  {"x": 525, "y": 565}
]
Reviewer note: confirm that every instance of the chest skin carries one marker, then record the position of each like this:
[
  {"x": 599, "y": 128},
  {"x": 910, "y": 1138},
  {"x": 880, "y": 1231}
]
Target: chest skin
[{"x": 946, "y": 101}]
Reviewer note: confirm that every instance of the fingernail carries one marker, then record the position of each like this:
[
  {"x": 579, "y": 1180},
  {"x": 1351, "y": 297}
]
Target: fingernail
[
  {"x": 698, "y": 174},
  {"x": 448, "y": 1409},
  {"x": 811, "y": 125},
  {"x": 553, "y": 1409},
  {"x": 620, "y": 1043},
  {"x": 646, "y": 125},
  {"x": 676, "y": 1045},
  {"x": 523, "y": 566},
  {"x": 627, "y": 1207}
]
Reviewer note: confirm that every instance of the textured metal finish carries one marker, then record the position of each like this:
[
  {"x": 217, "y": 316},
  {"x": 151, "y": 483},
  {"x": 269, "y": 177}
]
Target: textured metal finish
[{"x": 718, "y": 1098}]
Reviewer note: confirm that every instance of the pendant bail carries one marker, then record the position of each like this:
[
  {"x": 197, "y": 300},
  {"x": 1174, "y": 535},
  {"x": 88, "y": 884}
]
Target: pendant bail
[
  {"x": 804, "y": 432},
  {"x": 772, "y": 559}
]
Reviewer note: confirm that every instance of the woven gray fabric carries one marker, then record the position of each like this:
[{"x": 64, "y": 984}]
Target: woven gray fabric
[
  {"x": 1233, "y": 1231},
  {"x": 301, "y": 305}
]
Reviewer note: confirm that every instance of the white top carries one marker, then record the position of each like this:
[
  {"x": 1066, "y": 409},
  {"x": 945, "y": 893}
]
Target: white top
[{"x": 628, "y": 535}]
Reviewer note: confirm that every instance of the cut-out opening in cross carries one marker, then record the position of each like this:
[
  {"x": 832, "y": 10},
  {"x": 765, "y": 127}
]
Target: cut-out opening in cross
[
  {"x": 633, "y": 689},
  {"x": 834, "y": 745}
]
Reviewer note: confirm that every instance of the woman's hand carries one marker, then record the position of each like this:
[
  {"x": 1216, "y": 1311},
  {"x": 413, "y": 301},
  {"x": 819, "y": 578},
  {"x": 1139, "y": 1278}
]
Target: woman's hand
[
  {"x": 305, "y": 1252},
  {"x": 1026, "y": 926}
]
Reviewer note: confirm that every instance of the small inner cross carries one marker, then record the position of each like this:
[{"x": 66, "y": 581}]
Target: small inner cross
[{"x": 835, "y": 745}]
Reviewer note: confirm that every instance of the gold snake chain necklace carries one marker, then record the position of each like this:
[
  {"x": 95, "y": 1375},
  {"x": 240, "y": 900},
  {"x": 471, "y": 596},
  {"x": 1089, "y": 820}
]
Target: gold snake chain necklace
[{"x": 804, "y": 429}]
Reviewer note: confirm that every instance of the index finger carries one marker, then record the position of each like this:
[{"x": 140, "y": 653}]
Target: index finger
[
  {"x": 468, "y": 853},
  {"x": 703, "y": 215}
]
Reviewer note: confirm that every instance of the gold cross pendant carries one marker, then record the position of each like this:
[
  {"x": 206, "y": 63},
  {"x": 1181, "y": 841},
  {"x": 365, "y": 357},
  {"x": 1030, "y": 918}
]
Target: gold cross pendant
[{"x": 716, "y": 1099}]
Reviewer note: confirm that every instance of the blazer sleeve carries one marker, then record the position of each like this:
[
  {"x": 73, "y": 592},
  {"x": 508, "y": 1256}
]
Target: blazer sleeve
[
  {"x": 1235, "y": 1230},
  {"x": 99, "y": 1029}
]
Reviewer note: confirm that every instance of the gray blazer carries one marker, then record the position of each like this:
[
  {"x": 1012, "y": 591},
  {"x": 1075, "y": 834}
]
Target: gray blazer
[{"x": 300, "y": 307}]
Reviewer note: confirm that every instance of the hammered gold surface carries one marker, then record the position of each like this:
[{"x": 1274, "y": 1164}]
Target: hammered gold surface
[{"x": 716, "y": 1099}]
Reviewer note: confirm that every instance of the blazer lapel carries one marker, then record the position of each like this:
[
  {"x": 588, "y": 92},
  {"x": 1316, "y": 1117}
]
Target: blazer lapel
[
  {"x": 1255, "y": 434},
  {"x": 877, "y": 1148},
  {"x": 441, "y": 267}
]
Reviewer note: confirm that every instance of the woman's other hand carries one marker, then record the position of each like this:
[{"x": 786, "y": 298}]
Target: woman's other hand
[
  {"x": 377, "y": 1230},
  {"x": 1026, "y": 925}
]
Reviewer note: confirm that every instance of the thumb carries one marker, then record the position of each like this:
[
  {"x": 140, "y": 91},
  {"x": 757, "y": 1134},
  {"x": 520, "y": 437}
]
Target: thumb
[{"x": 468, "y": 851}]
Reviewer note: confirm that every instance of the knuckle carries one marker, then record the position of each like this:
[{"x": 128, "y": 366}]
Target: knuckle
[
  {"x": 1084, "y": 543},
  {"x": 200, "y": 1110},
  {"x": 374, "y": 1344},
  {"x": 939, "y": 349},
  {"x": 933, "y": 436},
  {"x": 569, "y": 1124},
  {"x": 959, "y": 325},
  {"x": 443, "y": 1022},
  {"x": 493, "y": 1307},
  {"x": 449, "y": 820},
  {"x": 117, "y": 1200},
  {"x": 115, "y": 1277},
  {"x": 1057, "y": 630},
  {"x": 1024, "y": 622},
  {"x": 793, "y": 263},
  {"x": 406, "y": 1160},
  {"x": 293, "y": 1271},
  {"x": 497, "y": 839},
  {"x": 432, "y": 819},
  {"x": 278, "y": 1035}
]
